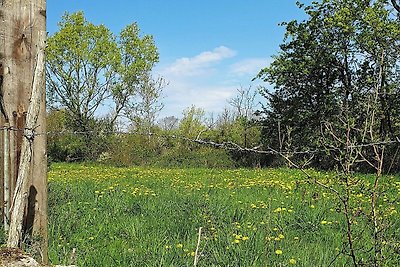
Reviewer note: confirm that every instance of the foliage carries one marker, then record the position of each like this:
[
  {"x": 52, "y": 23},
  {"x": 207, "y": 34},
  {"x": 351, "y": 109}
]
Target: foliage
[
  {"x": 338, "y": 74},
  {"x": 66, "y": 145},
  {"x": 163, "y": 150},
  {"x": 327, "y": 73},
  {"x": 171, "y": 146},
  {"x": 150, "y": 216},
  {"x": 143, "y": 114},
  {"x": 87, "y": 66},
  {"x": 138, "y": 56},
  {"x": 90, "y": 69}
]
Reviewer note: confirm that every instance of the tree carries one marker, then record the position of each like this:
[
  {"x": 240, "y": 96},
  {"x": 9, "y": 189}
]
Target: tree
[
  {"x": 244, "y": 102},
  {"x": 90, "y": 67},
  {"x": 138, "y": 56},
  {"x": 192, "y": 123},
  {"x": 143, "y": 114},
  {"x": 327, "y": 68},
  {"x": 244, "y": 105},
  {"x": 81, "y": 59},
  {"x": 336, "y": 84},
  {"x": 168, "y": 123}
]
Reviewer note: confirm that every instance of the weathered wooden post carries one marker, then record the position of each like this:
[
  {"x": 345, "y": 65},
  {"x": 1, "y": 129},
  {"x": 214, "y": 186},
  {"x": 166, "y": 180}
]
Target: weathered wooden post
[{"x": 22, "y": 34}]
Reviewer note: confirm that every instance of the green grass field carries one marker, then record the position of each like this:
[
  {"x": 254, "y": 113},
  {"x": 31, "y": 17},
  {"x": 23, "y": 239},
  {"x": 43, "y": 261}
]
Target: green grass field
[{"x": 151, "y": 217}]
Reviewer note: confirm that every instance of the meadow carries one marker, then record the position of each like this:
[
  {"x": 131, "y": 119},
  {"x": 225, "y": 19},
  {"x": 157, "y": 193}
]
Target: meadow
[{"x": 250, "y": 217}]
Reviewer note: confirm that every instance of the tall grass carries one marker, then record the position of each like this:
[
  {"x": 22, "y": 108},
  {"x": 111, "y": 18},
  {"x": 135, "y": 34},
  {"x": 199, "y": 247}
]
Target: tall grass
[{"x": 150, "y": 217}]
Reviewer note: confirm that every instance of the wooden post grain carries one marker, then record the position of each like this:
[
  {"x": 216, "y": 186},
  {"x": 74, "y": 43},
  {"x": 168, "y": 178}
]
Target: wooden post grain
[
  {"x": 22, "y": 37},
  {"x": 22, "y": 186}
]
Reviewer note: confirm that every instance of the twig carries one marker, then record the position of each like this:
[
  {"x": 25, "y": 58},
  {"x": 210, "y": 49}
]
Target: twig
[{"x": 196, "y": 254}]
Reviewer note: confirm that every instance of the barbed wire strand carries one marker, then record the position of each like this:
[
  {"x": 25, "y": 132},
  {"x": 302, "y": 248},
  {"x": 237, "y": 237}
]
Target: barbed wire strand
[{"x": 227, "y": 145}]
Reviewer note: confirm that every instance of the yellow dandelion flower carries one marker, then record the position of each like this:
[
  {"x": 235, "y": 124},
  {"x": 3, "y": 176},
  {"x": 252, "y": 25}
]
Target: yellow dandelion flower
[
  {"x": 281, "y": 236},
  {"x": 278, "y": 210},
  {"x": 268, "y": 238},
  {"x": 292, "y": 261},
  {"x": 278, "y": 252},
  {"x": 179, "y": 245}
]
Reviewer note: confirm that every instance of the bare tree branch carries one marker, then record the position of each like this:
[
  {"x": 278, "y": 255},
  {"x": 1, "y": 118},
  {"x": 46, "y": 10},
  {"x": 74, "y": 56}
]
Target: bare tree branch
[{"x": 396, "y": 5}]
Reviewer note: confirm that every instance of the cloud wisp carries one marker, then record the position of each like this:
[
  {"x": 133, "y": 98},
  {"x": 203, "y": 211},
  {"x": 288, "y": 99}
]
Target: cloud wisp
[
  {"x": 249, "y": 66},
  {"x": 207, "y": 80},
  {"x": 200, "y": 64}
]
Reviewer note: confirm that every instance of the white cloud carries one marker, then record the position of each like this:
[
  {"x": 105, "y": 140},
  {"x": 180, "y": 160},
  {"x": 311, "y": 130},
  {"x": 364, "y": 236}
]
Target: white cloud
[
  {"x": 199, "y": 81},
  {"x": 206, "y": 80},
  {"x": 250, "y": 66},
  {"x": 200, "y": 64}
]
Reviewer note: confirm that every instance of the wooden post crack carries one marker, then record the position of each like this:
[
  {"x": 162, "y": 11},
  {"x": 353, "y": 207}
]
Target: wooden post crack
[{"x": 21, "y": 190}]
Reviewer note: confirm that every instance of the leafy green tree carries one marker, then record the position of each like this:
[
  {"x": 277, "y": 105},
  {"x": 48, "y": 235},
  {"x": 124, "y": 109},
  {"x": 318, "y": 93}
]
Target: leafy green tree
[
  {"x": 81, "y": 59},
  {"x": 89, "y": 67},
  {"x": 137, "y": 58},
  {"x": 327, "y": 70},
  {"x": 336, "y": 87},
  {"x": 66, "y": 145},
  {"x": 192, "y": 123}
]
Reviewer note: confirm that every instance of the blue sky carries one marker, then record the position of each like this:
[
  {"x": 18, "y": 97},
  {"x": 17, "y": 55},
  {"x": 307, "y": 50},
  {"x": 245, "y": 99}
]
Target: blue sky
[{"x": 207, "y": 48}]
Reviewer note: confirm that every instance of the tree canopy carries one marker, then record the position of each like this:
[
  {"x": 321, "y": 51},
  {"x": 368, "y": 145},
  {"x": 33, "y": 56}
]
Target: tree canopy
[
  {"x": 327, "y": 71},
  {"x": 89, "y": 67}
]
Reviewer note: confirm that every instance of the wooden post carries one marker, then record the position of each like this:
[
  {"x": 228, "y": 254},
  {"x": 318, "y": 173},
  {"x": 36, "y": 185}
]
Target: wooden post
[
  {"x": 22, "y": 190},
  {"x": 22, "y": 34}
]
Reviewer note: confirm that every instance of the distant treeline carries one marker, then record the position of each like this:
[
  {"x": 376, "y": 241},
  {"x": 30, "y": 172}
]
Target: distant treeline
[{"x": 333, "y": 91}]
